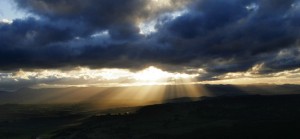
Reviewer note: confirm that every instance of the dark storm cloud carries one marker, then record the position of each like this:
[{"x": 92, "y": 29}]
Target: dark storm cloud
[
  {"x": 219, "y": 36},
  {"x": 98, "y": 14},
  {"x": 229, "y": 36}
]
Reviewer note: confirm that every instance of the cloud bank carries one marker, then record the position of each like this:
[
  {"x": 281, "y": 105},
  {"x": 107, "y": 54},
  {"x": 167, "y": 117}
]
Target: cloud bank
[{"x": 217, "y": 36}]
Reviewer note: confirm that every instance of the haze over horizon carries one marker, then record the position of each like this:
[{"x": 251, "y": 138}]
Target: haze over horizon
[{"x": 115, "y": 43}]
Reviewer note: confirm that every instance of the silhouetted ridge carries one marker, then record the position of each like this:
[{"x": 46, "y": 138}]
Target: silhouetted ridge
[{"x": 224, "y": 117}]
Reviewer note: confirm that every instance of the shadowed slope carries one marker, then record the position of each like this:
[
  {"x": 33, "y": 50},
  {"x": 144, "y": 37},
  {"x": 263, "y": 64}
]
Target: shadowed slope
[{"x": 232, "y": 117}]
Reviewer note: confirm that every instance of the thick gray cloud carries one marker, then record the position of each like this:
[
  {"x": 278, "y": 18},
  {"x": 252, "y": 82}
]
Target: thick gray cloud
[{"x": 219, "y": 36}]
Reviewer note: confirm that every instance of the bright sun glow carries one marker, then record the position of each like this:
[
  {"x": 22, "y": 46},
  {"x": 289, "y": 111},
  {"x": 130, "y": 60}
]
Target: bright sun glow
[
  {"x": 151, "y": 74},
  {"x": 83, "y": 76}
]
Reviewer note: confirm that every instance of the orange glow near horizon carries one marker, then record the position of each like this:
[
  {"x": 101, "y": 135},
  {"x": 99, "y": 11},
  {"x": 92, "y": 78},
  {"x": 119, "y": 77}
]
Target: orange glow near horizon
[{"x": 124, "y": 88}]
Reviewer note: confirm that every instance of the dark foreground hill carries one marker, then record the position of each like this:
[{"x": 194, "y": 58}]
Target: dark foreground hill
[{"x": 231, "y": 117}]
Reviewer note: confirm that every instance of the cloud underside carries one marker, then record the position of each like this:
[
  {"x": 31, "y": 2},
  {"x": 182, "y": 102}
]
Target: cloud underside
[{"x": 224, "y": 38}]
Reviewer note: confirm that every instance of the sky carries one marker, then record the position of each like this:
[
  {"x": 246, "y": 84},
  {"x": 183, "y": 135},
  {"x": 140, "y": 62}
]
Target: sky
[
  {"x": 61, "y": 43},
  {"x": 9, "y": 11}
]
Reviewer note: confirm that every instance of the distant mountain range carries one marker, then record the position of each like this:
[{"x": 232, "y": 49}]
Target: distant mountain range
[{"x": 132, "y": 96}]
